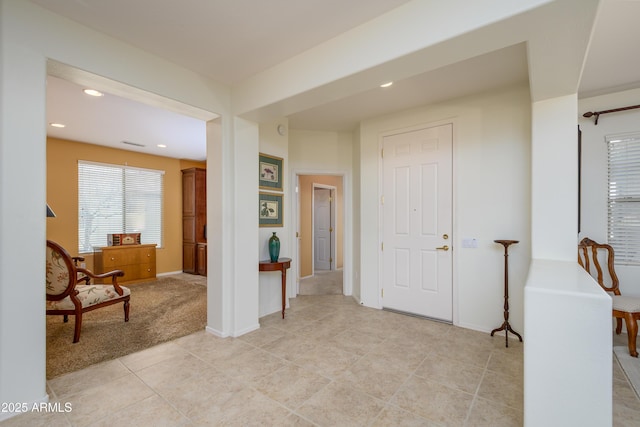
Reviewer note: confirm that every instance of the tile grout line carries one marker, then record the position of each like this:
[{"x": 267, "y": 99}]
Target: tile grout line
[{"x": 475, "y": 394}]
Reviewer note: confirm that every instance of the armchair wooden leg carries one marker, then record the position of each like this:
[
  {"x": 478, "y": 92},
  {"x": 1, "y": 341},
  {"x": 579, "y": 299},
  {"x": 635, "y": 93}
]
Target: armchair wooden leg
[
  {"x": 126, "y": 311},
  {"x": 632, "y": 333},
  {"x": 618, "y": 325},
  {"x": 76, "y": 332}
]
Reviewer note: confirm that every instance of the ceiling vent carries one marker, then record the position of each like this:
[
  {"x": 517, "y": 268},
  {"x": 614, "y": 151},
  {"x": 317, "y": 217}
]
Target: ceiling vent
[{"x": 133, "y": 143}]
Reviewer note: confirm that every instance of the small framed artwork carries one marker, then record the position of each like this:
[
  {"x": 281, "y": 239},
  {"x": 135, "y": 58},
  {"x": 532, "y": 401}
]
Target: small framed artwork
[
  {"x": 270, "y": 209},
  {"x": 270, "y": 172}
]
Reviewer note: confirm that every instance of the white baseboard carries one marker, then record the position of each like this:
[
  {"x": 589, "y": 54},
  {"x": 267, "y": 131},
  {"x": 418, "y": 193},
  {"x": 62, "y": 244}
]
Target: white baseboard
[
  {"x": 215, "y": 332},
  {"x": 169, "y": 273},
  {"x": 474, "y": 327},
  {"x": 235, "y": 334},
  {"x": 246, "y": 330},
  {"x": 275, "y": 308}
]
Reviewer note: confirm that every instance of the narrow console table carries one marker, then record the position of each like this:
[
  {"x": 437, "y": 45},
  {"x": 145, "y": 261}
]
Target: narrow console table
[{"x": 281, "y": 265}]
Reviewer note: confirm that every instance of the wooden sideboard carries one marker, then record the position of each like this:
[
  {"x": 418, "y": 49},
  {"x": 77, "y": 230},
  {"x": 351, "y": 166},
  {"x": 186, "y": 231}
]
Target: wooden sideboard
[{"x": 137, "y": 261}]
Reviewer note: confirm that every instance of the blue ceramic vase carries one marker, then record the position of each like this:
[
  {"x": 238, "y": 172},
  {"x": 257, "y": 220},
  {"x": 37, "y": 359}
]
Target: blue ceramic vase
[{"x": 274, "y": 247}]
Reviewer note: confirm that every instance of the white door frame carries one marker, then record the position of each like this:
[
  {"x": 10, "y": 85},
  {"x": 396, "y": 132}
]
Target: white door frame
[
  {"x": 347, "y": 224},
  {"x": 455, "y": 231},
  {"x": 332, "y": 239},
  {"x": 296, "y": 232}
]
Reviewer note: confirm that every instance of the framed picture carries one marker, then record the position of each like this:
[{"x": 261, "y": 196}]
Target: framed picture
[
  {"x": 271, "y": 172},
  {"x": 270, "y": 209}
]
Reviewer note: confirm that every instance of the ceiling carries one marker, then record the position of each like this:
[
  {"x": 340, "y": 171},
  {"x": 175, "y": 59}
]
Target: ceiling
[
  {"x": 230, "y": 41},
  {"x": 118, "y": 122}
]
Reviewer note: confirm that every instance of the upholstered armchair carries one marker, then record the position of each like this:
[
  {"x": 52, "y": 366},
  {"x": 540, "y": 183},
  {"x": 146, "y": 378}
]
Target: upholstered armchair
[{"x": 68, "y": 291}]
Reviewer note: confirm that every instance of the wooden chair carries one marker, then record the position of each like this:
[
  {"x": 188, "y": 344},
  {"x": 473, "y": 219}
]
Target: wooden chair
[
  {"x": 66, "y": 295},
  {"x": 81, "y": 277},
  {"x": 624, "y": 307}
]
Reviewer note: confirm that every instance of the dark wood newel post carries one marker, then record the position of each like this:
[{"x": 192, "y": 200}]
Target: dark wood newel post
[{"x": 506, "y": 327}]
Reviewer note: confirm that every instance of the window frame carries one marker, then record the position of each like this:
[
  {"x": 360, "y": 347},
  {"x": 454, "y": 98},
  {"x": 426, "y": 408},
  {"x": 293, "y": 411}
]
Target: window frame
[
  {"x": 123, "y": 218},
  {"x": 623, "y": 196}
]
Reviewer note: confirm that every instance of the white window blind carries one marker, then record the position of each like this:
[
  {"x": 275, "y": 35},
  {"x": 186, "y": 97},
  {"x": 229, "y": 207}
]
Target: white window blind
[
  {"x": 118, "y": 199},
  {"x": 624, "y": 197}
]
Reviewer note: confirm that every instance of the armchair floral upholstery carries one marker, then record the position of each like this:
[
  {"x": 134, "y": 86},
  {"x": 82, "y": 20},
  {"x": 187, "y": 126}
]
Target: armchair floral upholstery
[{"x": 68, "y": 291}]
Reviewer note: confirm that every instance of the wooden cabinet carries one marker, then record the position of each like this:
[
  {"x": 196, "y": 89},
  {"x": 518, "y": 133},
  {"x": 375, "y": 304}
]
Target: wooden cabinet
[
  {"x": 137, "y": 261},
  {"x": 194, "y": 220},
  {"x": 201, "y": 259}
]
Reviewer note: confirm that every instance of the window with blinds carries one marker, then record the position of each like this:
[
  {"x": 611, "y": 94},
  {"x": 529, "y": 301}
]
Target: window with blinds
[
  {"x": 623, "y": 152},
  {"x": 118, "y": 199}
]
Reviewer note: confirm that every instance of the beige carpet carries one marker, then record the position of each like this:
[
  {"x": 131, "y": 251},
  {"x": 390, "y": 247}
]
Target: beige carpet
[
  {"x": 322, "y": 283},
  {"x": 167, "y": 308}
]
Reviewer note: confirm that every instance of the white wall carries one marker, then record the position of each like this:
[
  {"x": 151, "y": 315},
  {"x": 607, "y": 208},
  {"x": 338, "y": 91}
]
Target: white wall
[
  {"x": 594, "y": 169},
  {"x": 491, "y": 201},
  {"x": 321, "y": 152},
  {"x": 274, "y": 144},
  {"x": 357, "y": 214}
]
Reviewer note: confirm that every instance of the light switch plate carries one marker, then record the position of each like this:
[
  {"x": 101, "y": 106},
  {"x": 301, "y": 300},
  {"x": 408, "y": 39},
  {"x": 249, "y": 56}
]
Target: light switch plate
[{"x": 469, "y": 242}]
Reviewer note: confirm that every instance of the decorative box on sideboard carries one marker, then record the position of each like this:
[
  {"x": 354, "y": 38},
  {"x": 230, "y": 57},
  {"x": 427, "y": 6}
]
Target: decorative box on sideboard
[{"x": 137, "y": 261}]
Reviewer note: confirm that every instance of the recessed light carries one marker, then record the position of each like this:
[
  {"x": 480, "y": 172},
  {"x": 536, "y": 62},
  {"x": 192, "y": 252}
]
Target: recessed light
[
  {"x": 386, "y": 84},
  {"x": 161, "y": 146},
  {"x": 93, "y": 92},
  {"x": 57, "y": 125}
]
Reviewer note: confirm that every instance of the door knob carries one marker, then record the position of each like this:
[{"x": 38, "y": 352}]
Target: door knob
[{"x": 443, "y": 248}]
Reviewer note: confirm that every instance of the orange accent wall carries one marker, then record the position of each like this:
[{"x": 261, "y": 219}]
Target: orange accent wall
[
  {"x": 305, "y": 189},
  {"x": 62, "y": 194},
  {"x": 186, "y": 164}
]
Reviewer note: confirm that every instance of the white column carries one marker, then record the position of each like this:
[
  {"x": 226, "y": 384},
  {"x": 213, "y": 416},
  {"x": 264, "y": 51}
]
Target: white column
[
  {"x": 232, "y": 227},
  {"x": 22, "y": 220},
  {"x": 567, "y": 335},
  {"x": 554, "y": 183},
  {"x": 219, "y": 227},
  {"x": 246, "y": 292}
]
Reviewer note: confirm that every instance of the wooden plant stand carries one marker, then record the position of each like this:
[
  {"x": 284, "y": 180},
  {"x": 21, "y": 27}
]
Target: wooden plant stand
[{"x": 506, "y": 327}]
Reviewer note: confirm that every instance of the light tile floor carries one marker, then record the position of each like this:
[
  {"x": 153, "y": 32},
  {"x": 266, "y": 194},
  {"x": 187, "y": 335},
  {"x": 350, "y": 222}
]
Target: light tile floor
[{"x": 330, "y": 362}]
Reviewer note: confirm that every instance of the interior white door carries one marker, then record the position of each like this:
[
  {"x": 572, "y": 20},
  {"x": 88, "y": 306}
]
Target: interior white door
[
  {"x": 322, "y": 228},
  {"x": 417, "y": 222}
]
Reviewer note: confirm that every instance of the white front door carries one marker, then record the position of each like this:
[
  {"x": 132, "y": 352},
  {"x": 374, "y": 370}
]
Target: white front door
[
  {"x": 417, "y": 222},
  {"x": 322, "y": 228}
]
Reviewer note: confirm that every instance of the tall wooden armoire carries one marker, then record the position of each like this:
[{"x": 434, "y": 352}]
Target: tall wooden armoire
[{"x": 194, "y": 221}]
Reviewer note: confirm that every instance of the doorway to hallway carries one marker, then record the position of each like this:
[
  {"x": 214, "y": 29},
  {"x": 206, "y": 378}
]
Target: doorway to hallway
[{"x": 319, "y": 232}]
